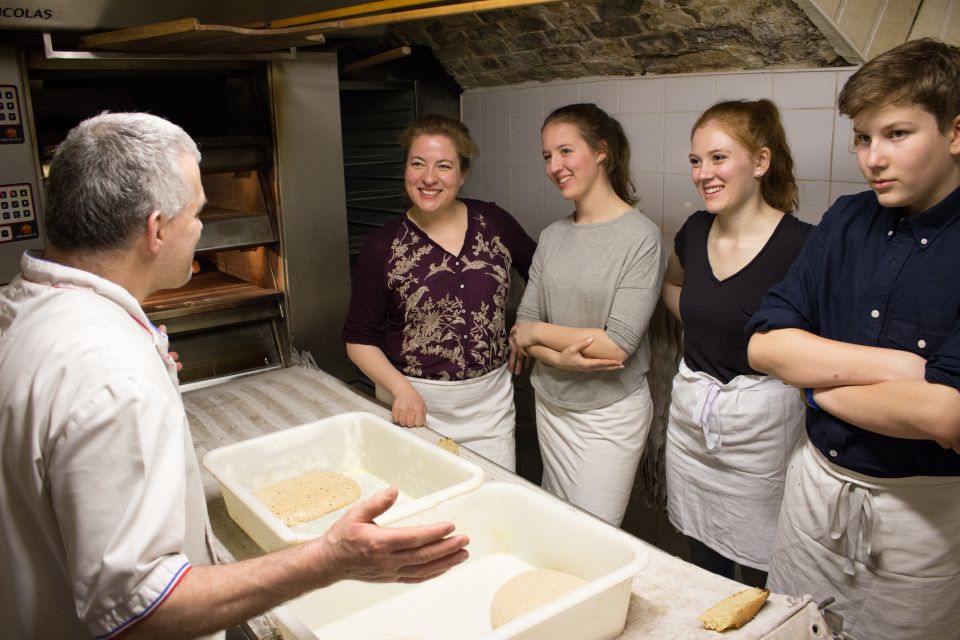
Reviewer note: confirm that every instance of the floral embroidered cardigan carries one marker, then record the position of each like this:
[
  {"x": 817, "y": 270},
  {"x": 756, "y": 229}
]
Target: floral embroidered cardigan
[{"x": 436, "y": 315}]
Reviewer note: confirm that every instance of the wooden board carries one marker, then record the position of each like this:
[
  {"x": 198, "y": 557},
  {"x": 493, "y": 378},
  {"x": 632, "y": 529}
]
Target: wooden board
[{"x": 187, "y": 35}]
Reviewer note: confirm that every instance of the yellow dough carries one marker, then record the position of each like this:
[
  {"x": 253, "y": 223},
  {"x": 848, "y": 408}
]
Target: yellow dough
[
  {"x": 528, "y": 591},
  {"x": 449, "y": 444},
  {"x": 734, "y": 611},
  {"x": 308, "y": 497}
]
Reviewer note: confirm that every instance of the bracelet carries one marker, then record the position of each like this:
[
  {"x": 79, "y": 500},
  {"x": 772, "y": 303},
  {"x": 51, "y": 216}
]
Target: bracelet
[{"x": 807, "y": 394}]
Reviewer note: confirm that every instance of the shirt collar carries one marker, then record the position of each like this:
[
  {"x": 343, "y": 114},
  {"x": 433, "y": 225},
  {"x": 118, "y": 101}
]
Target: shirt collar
[
  {"x": 53, "y": 274},
  {"x": 927, "y": 225}
]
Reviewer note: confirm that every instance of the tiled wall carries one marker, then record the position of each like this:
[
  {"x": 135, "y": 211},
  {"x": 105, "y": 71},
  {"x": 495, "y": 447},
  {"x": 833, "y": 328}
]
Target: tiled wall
[{"x": 657, "y": 113}]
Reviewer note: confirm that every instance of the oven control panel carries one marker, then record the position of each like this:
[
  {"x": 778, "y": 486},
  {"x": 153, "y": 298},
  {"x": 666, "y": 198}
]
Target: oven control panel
[
  {"x": 11, "y": 121},
  {"x": 21, "y": 184},
  {"x": 17, "y": 212}
]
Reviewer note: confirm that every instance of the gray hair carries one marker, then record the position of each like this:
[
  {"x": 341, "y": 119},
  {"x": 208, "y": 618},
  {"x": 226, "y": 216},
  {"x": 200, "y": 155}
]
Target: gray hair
[{"x": 109, "y": 174}]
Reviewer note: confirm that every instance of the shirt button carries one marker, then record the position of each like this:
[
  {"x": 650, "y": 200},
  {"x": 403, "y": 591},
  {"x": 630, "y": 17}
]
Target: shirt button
[
  {"x": 873, "y": 314},
  {"x": 923, "y": 241},
  {"x": 461, "y": 286},
  {"x": 922, "y": 343},
  {"x": 833, "y": 453},
  {"x": 890, "y": 233}
]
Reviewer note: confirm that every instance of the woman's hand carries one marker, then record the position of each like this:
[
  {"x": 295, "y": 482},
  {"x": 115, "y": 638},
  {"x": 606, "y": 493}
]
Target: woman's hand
[
  {"x": 522, "y": 336},
  {"x": 572, "y": 359},
  {"x": 409, "y": 409},
  {"x": 518, "y": 360}
]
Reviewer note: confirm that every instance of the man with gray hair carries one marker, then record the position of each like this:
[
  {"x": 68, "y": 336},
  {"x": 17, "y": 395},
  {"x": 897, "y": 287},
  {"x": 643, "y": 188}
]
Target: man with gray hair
[{"x": 105, "y": 524}]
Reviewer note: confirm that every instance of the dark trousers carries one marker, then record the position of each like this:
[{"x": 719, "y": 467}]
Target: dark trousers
[{"x": 706, "y": 558}]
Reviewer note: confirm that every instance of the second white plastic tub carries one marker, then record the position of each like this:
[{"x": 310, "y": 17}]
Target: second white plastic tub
[
  {"x": 367, "y": 448},
  {"x": 512, "y": 529}
]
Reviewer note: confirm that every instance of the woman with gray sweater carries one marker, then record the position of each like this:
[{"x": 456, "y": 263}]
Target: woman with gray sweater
[{"x": 593, "y": 286}]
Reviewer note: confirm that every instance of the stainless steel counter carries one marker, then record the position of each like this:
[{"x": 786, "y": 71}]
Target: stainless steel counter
[{"x": 667, "y": 595}]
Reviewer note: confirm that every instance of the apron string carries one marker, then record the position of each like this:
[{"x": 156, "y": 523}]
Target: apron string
[{"x": 855, "y": 519}]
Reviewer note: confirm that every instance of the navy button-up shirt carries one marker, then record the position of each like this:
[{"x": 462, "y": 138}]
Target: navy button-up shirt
[{"x": 878, "y": 277}]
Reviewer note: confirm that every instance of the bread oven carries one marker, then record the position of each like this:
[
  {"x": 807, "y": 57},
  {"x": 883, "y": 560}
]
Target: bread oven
[
  {"x": 271, "y": 269},
  {"x": 230, "y": 316}
]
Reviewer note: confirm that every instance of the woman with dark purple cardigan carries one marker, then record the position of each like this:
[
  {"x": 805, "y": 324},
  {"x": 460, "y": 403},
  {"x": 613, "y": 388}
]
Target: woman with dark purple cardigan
[{"x": 427, "y": 318}]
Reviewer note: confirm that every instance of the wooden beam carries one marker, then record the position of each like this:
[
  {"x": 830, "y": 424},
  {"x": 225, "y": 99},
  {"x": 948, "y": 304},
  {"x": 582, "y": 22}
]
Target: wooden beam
[
  {"x": 386, "y": 56},
  {"x": 479, "y": 6},
  {"x": 363, "y": 8}
]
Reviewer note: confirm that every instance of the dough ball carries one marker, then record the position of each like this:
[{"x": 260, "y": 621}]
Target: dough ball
[
  {"x": 528, "y": 591},
  {"x": 308, "y": 497}
]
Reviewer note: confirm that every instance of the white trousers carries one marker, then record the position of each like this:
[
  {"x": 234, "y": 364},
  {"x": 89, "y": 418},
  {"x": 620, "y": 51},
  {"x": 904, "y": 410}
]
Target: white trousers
[
  {"x": 590, "y": 457},
  {"x": 478, "y": 413},
  {"x": 727, "y": 450},
  {"x": 888, "y": 549}
]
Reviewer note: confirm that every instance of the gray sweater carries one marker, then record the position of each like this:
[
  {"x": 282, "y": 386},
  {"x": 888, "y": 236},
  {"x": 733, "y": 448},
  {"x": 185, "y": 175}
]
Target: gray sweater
[{"x": 604, "y": 275}]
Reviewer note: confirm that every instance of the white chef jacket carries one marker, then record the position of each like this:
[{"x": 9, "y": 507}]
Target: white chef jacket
[{"x": 100, "y": 493}]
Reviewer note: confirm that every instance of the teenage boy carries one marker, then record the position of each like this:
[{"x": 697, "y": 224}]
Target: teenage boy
[{"x": 867, "y": 324}]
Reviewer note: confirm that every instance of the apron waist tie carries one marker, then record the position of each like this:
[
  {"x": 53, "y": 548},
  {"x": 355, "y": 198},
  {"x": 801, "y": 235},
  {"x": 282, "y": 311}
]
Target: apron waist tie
[
  {"x": 707, "y": 415},
  {"x": 855, "y": 518}
]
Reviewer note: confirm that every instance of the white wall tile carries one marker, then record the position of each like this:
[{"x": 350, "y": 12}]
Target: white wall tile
[
  {"x": 495, "y": 104},
  {"x": 470, "y": 106},
  {"x": 526, "y": 146},
  {"x": 559, "y": 95},
  {"x": 476, "y": 134},
  {"x": 495, "y": 142},
  {"x": 676, "y": 142},
  {"x": 838, "y": 189},
  {"x": 555, "y": 206},
  {"x": 650, "y": 189},
  {"x": 533, "y": 226},
  {"x": 473, "y": 185},
  {"x": 497, "y": 185},
  {"x": 804, "y": 90},
  {"x": 744, "y": 86},
  {"x": 845, "y": 168},
  {"x": 526, "y": 103},
  {"x": 814, "y": 200},
  {"x": 604, "y": 94},
  {"x": 680, "y": 199},
  {"x": 690, "y": 93},
  {"x": 527, "y": 193},
  {"x": 668, "y": 242},
  {"x": 810, "y": 132},
  {"x": 642, "y": 95},
  {"x": 842, "y": 77},
  {"x": 645, "y": 133}
]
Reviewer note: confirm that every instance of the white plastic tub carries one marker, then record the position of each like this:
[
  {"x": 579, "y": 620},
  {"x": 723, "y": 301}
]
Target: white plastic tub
[
  {"x": 367, "y": 448},
  {"x": 512, "y": 529}
]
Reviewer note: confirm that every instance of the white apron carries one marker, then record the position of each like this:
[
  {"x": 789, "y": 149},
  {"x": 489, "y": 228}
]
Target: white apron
[
  {"x": 728, "y": 446},
  {"x": 590, "y": 457},
  {"x": 478, "y": 413},
  {"x": 888, "y": 549}
]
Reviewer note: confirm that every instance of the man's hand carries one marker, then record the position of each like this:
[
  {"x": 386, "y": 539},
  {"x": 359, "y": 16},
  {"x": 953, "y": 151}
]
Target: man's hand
[
  {"x": 172, "y": 354},
  {"x": 359, "y": 549},
  {"x": 572, "y": 359},
  {"x": 409, "y": 409}
]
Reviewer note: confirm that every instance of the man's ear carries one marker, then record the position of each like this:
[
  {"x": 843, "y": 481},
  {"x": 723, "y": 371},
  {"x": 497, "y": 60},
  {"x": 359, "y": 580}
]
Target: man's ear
[
  {"x": 154, "y": 231},
  {"x": 953, "y": 134}
]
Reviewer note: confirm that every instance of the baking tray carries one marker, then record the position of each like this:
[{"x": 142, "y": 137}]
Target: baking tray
[
  {"x": 367, "y": 448},
  {"x": 512, "y": 529}
]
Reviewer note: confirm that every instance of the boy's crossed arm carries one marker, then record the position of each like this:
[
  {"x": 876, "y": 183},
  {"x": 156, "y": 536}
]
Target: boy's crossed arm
[{"x": 877, "y": 389}]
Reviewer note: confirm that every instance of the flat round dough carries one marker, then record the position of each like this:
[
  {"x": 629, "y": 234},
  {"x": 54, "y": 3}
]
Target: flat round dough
[
  {"x": 308, "y": 497},
  {"x": 528, "y": 591}
]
